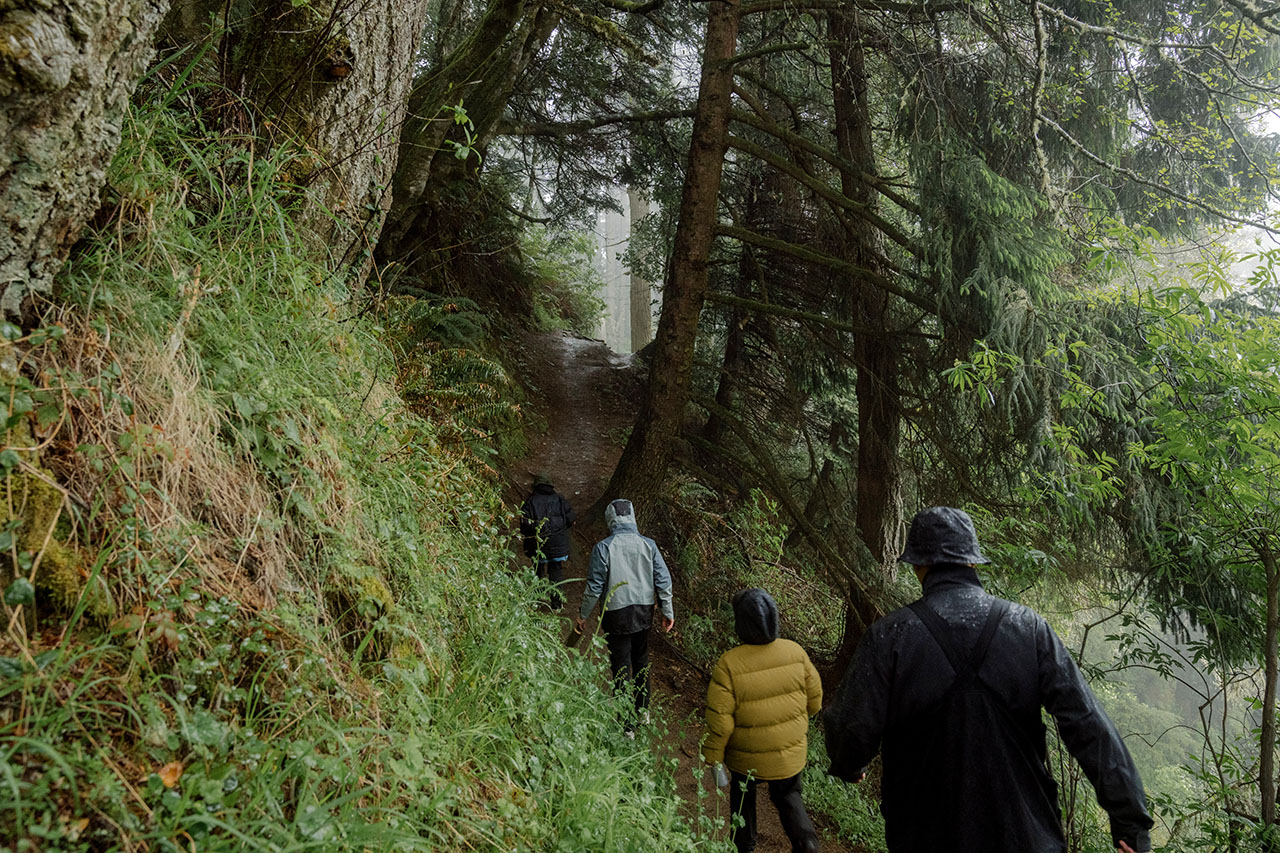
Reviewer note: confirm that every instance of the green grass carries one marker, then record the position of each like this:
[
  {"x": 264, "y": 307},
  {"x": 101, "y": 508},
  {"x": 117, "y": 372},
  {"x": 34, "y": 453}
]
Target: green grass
[
  {"x": 855, "y": 816},
  {"x": 309, "y": 635}
]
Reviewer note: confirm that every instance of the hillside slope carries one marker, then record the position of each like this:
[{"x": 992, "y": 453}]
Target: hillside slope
[{"x": 262, "y": 603}]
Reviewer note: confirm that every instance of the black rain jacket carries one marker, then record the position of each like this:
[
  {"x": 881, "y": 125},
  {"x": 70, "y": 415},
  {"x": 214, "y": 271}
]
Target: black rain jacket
[
  {"x": 545, "y": 519},
  {"x": 965, "y": 770}
]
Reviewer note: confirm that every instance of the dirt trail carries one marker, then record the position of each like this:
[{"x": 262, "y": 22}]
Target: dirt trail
[{"x": 588, "y": 396}]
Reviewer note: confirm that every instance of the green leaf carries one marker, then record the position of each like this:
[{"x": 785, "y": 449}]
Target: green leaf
[
  {"x": 20, "y": 592},
  {"x": 10, "y": 667},
  {"x": 21, "y": 403},
  {"x": 48, "y": 415}
]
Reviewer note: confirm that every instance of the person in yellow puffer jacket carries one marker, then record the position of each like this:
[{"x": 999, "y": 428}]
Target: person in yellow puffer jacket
[{"x": 759, "y": 701}]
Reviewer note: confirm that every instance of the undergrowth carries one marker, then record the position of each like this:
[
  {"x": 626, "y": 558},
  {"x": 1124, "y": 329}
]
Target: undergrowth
[
  {"x": 726, "y": 547},
  {"x": 282, "y": 617},
  {"x": 850, "y": 807}
]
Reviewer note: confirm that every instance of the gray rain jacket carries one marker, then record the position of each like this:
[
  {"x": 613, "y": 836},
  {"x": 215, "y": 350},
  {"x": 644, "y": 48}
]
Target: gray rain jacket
[
  {"x": 627, "y": 570},
  {"x": 965, "y": 769}
]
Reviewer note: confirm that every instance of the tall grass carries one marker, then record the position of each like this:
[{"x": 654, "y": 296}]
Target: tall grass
[{"x": 306, "y": 635}]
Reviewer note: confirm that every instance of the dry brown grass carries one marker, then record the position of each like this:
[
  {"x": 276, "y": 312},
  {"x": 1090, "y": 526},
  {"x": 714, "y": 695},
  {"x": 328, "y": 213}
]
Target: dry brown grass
[{"x": 166, "y": 452}]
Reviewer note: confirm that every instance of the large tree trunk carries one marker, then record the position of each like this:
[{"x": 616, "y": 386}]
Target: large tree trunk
[
  {"x": 334, "y": 75},
  {"x": 643, "y": 466},
  {"x": 875, "y": 356},
  {"x": 67, "y": 70},
  {"x": 1271, "y": 651},
  {"x": 641, "y": 287},
  {"x": 479, "y": 75}
]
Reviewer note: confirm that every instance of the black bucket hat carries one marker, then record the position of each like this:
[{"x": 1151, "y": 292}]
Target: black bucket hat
[{"x": 942, "y": 534}]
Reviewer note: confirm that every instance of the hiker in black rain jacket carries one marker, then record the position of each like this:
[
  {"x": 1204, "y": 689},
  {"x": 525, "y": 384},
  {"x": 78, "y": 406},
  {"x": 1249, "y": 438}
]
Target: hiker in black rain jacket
[
  {"x": 545, "y": 519},
  {"x": 960, "y": 731}
]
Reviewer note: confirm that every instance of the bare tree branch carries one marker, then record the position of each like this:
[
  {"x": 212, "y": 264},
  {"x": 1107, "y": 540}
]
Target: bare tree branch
[{"x": 577, "y": 128}]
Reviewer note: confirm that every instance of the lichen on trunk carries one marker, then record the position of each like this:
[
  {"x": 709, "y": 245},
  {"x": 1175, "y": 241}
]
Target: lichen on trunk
[{"x": 67, "y": 70}]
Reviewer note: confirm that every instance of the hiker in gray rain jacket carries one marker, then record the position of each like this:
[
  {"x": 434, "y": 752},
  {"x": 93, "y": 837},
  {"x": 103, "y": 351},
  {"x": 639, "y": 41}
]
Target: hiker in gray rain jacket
[
  {"x": 628, "y": 572},
  {"x": 545, "y": 519},
  {"x": 949, "y": 691}
]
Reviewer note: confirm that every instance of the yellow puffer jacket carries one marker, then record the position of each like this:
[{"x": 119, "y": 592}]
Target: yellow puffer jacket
[{"x": 758, "y": 705}]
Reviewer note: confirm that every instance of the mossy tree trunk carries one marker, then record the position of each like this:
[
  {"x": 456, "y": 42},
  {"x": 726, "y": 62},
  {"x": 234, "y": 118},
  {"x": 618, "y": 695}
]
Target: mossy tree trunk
[
  {"x": 67, "y": 69},
  {"x": 333, "y": 76},
  {"x": 875, "y": 351},
  {"x": 479, "y": 75},
  {"x": 641, "y": 288}
]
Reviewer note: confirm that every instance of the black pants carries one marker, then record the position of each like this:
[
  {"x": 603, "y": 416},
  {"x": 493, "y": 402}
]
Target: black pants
[
  {"x": 785, "y": 794},
  {"x": 553, "y": 570},
  {"x": 629, "y": 660}
]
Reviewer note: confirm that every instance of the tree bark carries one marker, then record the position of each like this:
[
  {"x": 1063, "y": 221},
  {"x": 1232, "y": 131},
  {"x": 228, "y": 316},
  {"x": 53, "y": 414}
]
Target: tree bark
[
  {"x": 333, "y": 75},
  {"x": 875, "y": 356},
  {"x": 67, "y": 70},
  {"x": 1271, "y": 651},
  {"x": 641, "y": 287},
  {"x": 643, "y": 466}
]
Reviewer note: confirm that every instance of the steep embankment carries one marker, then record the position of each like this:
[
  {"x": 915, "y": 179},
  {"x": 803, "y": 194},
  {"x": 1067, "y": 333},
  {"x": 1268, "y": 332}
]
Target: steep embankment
[
  {"x": 263, "y": 600},
  {"x": 587, "y": 396}
]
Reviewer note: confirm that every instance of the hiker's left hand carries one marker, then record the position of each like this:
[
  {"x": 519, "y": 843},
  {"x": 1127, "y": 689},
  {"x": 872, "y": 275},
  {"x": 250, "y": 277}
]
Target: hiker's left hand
[
  {"x": 668, "y": 624},
  {"x": 581, "y": 625}
]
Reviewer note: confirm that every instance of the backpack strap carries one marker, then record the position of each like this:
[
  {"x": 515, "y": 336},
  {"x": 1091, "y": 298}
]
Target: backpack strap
[{"x": 965, "y": 665}]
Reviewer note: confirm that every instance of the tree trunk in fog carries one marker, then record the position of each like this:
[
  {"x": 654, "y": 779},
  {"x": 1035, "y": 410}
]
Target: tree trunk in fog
[
  {"x": 641, "y": 287},
  {"x": 643, "y": 466},
  {"x": 333, "y": 75},
  {"x": 875, "y": 355},
  {"x": 67, "y": 70}
]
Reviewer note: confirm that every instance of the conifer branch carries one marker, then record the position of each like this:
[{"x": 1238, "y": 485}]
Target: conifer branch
[
  {"x": 807, "y": 316},
  {"x": 923, "y": 9},
  {"x": 767, "y": 50},
  {"x": 781, "y": 491},
  {"x": 828, "y": 192},
  {"x": 633, "y": 8},
  {"x": 1037, "y": 96},
  {"x": 813, "y": 256},
  {"x": 775, "y": 130},
  {"x": 1131, "y": 175}
]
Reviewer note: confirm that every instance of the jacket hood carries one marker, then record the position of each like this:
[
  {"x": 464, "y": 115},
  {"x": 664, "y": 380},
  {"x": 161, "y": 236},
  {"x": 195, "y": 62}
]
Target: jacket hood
[
  {"x": 544, "y": 489},
  {"x": 755, "y": 616},
  {"x": 620, "y": 513},
  {"x": 942, "y": 534}
]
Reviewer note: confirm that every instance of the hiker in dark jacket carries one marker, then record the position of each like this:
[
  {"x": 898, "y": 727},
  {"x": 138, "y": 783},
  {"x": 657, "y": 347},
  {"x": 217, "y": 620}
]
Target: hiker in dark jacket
[
  {"x": 949, "y": 691},
  {"x": 545, "y": 519},
  {"x": 759, "y": 701}
]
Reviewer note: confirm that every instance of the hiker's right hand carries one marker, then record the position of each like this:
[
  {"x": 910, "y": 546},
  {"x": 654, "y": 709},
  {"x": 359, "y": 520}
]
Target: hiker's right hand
[
  {"x": 668, "y": 624},
  {"x": 1125, "y": 848},
  {"x": 580, "y": 625}
]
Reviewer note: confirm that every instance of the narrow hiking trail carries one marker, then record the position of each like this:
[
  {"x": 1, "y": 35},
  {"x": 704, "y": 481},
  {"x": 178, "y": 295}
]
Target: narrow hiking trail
[{"x": 588, "y": 397}]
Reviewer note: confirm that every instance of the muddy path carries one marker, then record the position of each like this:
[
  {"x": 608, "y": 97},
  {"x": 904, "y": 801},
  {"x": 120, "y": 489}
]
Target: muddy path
[{"x": 586, "y": 396}]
